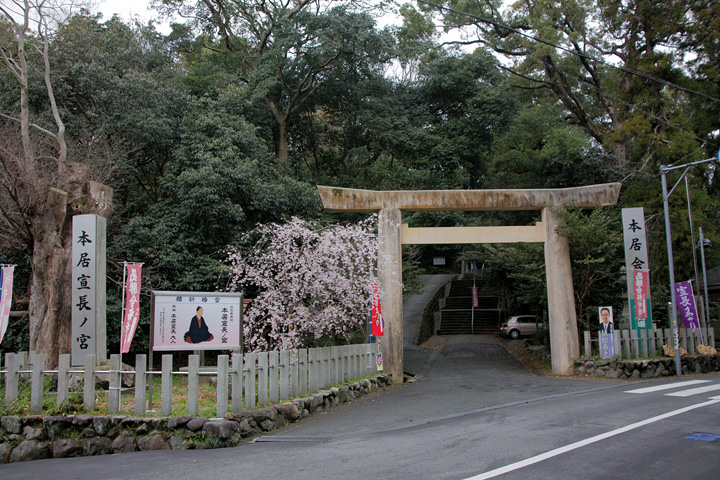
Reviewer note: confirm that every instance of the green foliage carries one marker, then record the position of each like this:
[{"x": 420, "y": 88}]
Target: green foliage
[
  {"x": 596, "y": 252},
  {"x": 72, "y": 406},
  {"x": 219, "y": 184},
  {"x": 539, "y": 150},
  {"x": 189, "y": 130}
]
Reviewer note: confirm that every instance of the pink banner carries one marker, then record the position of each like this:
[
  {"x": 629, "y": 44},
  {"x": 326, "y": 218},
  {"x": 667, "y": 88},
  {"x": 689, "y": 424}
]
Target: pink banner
[
  {"x": 641, "y": 279},
  {"x": 475, "y": 303},
  {"x": 5, "y": 298},
  {"x": 132, "y": 305},
  {"x": 376, "y": 318}
]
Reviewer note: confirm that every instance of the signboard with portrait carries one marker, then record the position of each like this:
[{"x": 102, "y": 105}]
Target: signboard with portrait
[
  {"x": 197, "y": 321},
  {"x": 605, "y": 333}
]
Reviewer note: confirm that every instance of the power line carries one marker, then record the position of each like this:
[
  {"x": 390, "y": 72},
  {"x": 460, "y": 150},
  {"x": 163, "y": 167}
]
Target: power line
[
  {"x": 624, "y": 102},
  {"x": 572, "y": 52}
]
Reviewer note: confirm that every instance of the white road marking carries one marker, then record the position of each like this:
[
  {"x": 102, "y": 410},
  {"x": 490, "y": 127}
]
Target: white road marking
[
  {"x": 587, "y": 441},
  {"x": 694, "y": 391},
  {"x": 666, "y": 386}
]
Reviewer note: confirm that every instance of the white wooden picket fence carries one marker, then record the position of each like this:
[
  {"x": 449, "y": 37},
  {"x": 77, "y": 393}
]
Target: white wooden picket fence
[
  {"x": 244, "y": 381},
  {"x": 649, "y": 344}
]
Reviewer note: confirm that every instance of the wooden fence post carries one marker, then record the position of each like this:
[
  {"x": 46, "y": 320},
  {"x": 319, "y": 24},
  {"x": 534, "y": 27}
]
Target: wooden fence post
[
  {"x": 370, "y": 357},
  {"x": 140, "y": 384},
  {"x": 89, "y": 383},
  {"x": 617, "y": 342},
  {"x": 12, "y": 378},
  {"x": 336, "y": 364},
  {"x": 37, "y": 384},
  {"x": 274, "y": 375},
  {"x": 346, "y": 363},
  {"x": 294, "y": 369},
  {"x": 312, "y": 369},
  {"x": 284, "y": 375},
  {"x": 114, "y": 384},
  {"x": 325, "y": 367},
  {"x": 250, "y": 401},
  {"x": 586, "y": 343},
  {"x": 626, "y": 344},
  {"x": 683, "y": 338},
  {"x": 193, "y": 384},
  {"x": 262, "y": 382},
  {"x": 237, "y": 381},
  {"x": 166, "y": 387},
  {"x": 222, "y": 385},
  {"x": 691, "y": 342},
  {"x": 63, "y": 388},
  {"x": 659, "y": 342},
  {"x": 644, "y": 343},
  {"x": 711, "y": 337},
  {"x": 302, "y": 371}
]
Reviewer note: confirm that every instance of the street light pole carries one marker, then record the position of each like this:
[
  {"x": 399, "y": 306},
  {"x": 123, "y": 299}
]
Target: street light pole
[
  {"x": 673, "y": 309},
  {"x": 668, "y": 237},
  {"x": 704, "y": 242}
]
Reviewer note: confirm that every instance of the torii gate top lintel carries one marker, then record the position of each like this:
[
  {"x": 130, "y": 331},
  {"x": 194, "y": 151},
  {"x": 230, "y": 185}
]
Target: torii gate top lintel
[
  {"x": 561, "y": 305},
  {"x": 357, "y": 200}
]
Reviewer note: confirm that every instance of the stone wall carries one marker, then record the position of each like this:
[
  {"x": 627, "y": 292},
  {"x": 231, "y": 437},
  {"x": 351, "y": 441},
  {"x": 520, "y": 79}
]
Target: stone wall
[
  {"x": 37, "y": 437},
  {"x": 637, "y": 369}
]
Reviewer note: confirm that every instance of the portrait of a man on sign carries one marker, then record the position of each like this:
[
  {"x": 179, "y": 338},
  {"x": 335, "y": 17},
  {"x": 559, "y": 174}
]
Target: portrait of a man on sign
[
  {"x": 606, "y": 320},
  {"x": 198, "y": 331}
]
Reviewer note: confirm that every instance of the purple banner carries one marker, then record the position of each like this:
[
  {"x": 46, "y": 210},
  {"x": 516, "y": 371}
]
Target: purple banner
[
  {"x": 686, "y": 305},
  {"x": 607, "y": 344}
]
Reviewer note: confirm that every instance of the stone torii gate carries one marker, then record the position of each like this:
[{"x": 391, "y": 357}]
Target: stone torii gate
[{"x": 564, "y": 342}]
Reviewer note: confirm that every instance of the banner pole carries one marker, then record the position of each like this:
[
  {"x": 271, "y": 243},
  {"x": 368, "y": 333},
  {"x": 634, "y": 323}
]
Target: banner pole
[{"x": 122, "y": 330}]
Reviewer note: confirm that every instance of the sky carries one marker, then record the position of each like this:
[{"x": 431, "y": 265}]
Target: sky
[
  {"x": 125, "y": 8},
  {"x": 128, "y": 9}
]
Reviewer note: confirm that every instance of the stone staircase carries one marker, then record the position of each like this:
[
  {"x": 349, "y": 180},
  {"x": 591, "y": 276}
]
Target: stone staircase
[{"x": 456, "y": 314}]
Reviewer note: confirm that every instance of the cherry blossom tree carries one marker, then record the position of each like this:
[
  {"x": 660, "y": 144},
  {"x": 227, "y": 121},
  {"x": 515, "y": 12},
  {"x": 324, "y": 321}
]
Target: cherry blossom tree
[{"x": 312, "y": 281}]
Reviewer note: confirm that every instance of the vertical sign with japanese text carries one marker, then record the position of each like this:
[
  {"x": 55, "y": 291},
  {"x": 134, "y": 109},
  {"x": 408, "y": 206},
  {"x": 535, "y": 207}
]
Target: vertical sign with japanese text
[
  {"x": 637, "y": 267},
  {"x": 88, "y": 288}
]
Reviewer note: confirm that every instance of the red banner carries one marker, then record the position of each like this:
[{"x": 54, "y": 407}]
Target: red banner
[
  {"x": 5, "y": 298},
  {"x": 641, "y": 279},
  {"x": 475, "y": 297},
  {"x": 376, "y": 318},
  {"x": 132, "y": 306}
]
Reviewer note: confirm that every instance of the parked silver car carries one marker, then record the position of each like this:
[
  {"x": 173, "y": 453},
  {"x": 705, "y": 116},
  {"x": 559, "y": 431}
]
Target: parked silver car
[{"x": 520, "y": 325}]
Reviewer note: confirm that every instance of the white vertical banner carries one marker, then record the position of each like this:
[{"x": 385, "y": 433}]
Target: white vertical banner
[
  {"x": 6, "y": 285},
  {"x": 636, "y": 259},
  {"x": 132, "y": 305}
]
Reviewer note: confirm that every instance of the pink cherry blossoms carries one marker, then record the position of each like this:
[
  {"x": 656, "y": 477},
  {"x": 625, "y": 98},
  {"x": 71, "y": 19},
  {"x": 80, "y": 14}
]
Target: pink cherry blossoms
[{"x": 313, "y": 281}]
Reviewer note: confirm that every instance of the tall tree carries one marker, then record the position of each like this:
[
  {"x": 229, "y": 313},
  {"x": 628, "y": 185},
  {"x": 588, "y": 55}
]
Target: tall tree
[
  {"x": 284, "y": 49},
  {"x": 44, "y": 179},
  {"x": 614, "y": 66}
]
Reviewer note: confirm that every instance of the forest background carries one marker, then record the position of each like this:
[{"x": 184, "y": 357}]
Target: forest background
[{"x": 232, "y": 119}]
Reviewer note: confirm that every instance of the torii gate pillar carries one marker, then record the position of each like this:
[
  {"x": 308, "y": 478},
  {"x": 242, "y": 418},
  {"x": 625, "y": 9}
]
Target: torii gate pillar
[
  {"x": 564, "y": 341},
  {"x": 390, "y": 280}
]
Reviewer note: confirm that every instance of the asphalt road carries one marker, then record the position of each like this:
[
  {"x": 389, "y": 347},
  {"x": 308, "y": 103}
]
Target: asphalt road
[{"x": 477, "y": 411}]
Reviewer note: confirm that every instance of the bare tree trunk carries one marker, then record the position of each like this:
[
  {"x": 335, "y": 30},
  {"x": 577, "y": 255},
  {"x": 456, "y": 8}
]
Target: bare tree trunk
[
  {"x": 50, "y": 294},
  {"x": 281, "y": 142},
  {"x": 50, "y": 303}
]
